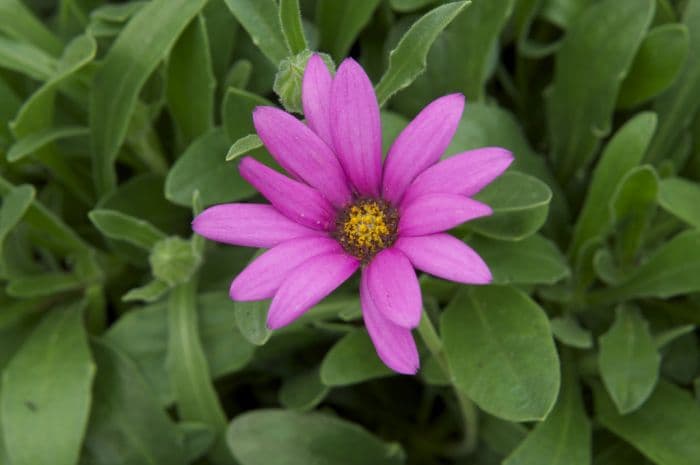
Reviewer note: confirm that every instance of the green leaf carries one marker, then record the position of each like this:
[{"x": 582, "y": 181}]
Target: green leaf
[
  {"x": 671, "y": 270},
  {"x": 118, "y": 225},
  {"x": 15, "y": 204},
  {"x": 26, "y": 59},
  {"x": 564, "y": 437},
  {"x": 594, "y": 57},
  {"x": 46, "y": 392},
  {"x": 20, "y": 23},
  {"x": 628, "y": 360},
  {"x": 303, "y": 391},
  {"x": 667, "y": 336},
  {"x": 290, "y": 20},
  {"x": 243, "y": 145},
  {"x": 665, "y": 429},
  {"x": 203, "y": 168},
  {"x": 38, "y": 140},
  {"x": 199, "y": 437},
  {"x": 147, "y": 293},
  {"x": 534, "y": 260},
  {"x": 681, "y": 101},
  {"x": 305, "y": 438},
  {"x": 191, "y": 82},
  {"x": 251, "y": 318},
  {"x": 126, "y": 423},
  {"x": 658, "y": 61},
  {"x": 124, "y": 72},
  {"x": 567, "y": 330},
  {"x": 237, "y": 112},
  {"x": 409, "y": 5},
  {"x": 408, "y": 59},
  {"x": 143, "y": 335},
  {"x": 339, "y": 24},
  {"x": 43, "y": 284},
  {"x": 624, "y": 151},
  {"x": 352, "y": 360},
  {"x": 520, "y": 206},
  {"x": 631, "y": 209},
  {"x": 500, "y": 349},
  {"x": 681, "y": 198},
  {"x": 261, "y": 20}
]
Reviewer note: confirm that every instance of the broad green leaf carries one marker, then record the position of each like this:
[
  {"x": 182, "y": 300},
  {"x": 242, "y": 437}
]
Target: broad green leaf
[
  {"x": 223, "y": 31},
  {"x": 261, "y": 20},
  {"x": 408, "y": 59},
  {"x": 624, "y": 151},
  {"x": 473, "y": 60},
  {"x": 290, "y": 20},
  {"x": 117, "y": 225},
  {"x": 147, "y": 293},
  {"x": 251, "y": 318},
  {"x": 665, "y": 429},
  {"x": 305, "y": 438},
  {"x": 631, "y": 210},
  {"x": 534, "y": 260},
  {"x": 14, "y": 205},
  {"x": 303, "y": 391},
  {"x": 667, "y": 336},
  {"x": 237, "y": 112},
  {"x": 143, "y": 335},
  {"x": 119, "y": 13},
  {"x": 203, "y": 168},
  {"x": 619, "y": 453},
  {"x": 564, "y": 437},
  {"x": 243, "y": 145},
  {"x": 520, "y": 206},
  {"x": 124, "y": 71},
  {"x": 50, "y": 229},
  {"x": 198, "y": 438},
  {"x": 43, "y": 284},
  {"x": 239, "y": 74},
  {"x": 339, "y": 24},
  {"x": 677, "y": 106},
  {"x": 499, "y": 435},
  {"x": 409, "y": 5},
  {"x": 657, "y": 63},
  {"x": 352, "y": 360},
  {"x": 500, "y": 349},
  {"x": 26, "y": 59},
  {"x": 593, "y": 59},
  {"x": 671, "y": 270},
  {"x": 46, "y": 392},
  {"x": 568, "y": 331},
  {"x": 681, "y": 198},
  {"x": 628, "y": 360},
  {"x": 36, "y": 141},
  {"x": 127, "y": 425},
  {"x": 20, "y": 23},
  {"x": 191, "y": 82}
]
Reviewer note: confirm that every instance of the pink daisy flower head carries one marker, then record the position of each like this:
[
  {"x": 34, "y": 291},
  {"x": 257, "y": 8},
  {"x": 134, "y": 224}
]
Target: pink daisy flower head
[{"x": 342, "y": 210}]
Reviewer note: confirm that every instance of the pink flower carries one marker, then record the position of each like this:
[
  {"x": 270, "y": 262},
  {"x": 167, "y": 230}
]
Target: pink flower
[{"x": 342, "y": 211}]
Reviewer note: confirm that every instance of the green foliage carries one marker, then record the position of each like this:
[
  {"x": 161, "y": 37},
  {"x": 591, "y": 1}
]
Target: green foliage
[{"x": 119, "y": 344}]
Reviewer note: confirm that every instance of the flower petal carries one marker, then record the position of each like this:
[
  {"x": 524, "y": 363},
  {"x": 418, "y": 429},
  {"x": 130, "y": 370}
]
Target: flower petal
[
  {"x": 446, "y": 257},
  {"x": 307, "y": 284},
  {"x": 421, "y": 144},
  {"x": 248, "y": 224},
  {"x": 316, "y": 98},
  {"x": 261, "y": 279},
  {"x": 356, "y": 128},
  {"x": 394, "y": 344},
  {"x": 295, "y": 200},
  {"x": 302, "y": 153},
  {"x": 394, "y": 288},
  {"x": 466, "y": 173},
  {"x": 438, "y": 212}
]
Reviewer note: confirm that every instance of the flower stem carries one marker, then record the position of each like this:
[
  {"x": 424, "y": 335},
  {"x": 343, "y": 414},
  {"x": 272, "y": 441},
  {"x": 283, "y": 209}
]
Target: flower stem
[{"x": 470, "y": 415}]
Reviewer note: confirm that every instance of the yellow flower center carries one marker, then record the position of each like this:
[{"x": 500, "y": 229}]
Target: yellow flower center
[{"x": 366, "y": 227}]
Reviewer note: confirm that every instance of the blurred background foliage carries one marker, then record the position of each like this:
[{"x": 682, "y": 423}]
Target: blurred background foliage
[{"x": 119, "y": 345}]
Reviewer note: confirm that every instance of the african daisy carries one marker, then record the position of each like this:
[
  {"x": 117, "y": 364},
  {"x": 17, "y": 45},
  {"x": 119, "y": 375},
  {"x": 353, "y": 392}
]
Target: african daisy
[{"x": 342, "y": 210}]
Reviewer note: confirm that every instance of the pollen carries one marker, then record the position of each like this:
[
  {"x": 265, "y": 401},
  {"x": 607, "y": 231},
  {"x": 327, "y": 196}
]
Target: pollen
[{"x": 366, "y": 227}]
